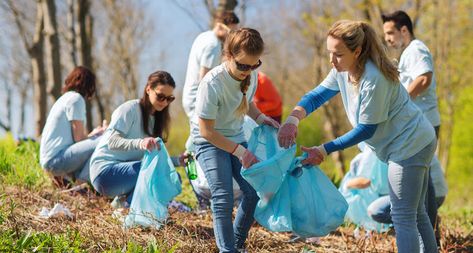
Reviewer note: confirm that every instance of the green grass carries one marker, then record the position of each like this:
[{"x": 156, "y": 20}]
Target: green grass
[
  {"x": 19, "y": 167},
  {"x": 19, "y": 164}
]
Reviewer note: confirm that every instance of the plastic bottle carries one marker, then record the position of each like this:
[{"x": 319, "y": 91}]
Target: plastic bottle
[{"x": 191, "y": 170}]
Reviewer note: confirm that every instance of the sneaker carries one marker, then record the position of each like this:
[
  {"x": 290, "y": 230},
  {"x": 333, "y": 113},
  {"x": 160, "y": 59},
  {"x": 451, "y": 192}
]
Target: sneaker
[
  {"x": 119, "y": 202},
  {"x": 295, "y": 238}
]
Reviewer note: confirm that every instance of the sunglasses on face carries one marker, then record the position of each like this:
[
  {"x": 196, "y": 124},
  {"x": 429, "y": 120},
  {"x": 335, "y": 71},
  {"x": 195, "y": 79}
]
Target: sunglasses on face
[
  {"x": 246, "y": 67},
  {"x": 161, "y": 97}
]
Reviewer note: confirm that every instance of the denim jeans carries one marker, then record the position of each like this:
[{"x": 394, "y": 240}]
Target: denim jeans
[
  {"x": 380, "y": 209},
  {"x": 219, "y": 166},
  {"x": 408, "y": 180},
  {"x": 118, "y": 179},
  {"x": 74, "y": 160}
]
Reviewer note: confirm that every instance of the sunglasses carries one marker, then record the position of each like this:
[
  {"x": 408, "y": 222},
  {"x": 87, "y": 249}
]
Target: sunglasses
[
  {"x": 161, "y": 97},
  {"x": 246, "y": 67},
  {"x": 297, "y": 171}
]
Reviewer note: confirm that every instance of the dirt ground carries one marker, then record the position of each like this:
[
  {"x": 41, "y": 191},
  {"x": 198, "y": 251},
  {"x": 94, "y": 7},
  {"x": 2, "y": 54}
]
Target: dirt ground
[{"x": 187, "y": 232}]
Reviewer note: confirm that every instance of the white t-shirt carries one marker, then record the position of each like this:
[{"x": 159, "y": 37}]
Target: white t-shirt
[
  {"x": 206, "y": 52},
  {"x": 57, "y": 132},
  {"x": 127, "y": 120},
  {"x": 402, "y": 130},
  {"x": 218, "y": 97},
  {"x": 415, "y": 61}
]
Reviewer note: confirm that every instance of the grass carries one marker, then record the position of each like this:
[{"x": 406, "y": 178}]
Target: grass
[{"x": 24, "y": 189}]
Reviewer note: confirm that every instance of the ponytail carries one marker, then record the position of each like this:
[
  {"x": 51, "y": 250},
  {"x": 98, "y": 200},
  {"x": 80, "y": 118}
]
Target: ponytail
[
  {"x": 360, "y": 34},
  {"x": 243, "y": 107}
]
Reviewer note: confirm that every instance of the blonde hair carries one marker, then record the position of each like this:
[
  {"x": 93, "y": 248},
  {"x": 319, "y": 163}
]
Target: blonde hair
[
  {"x": 243, "y": 41},
  {"x": 360, "y": 34}
]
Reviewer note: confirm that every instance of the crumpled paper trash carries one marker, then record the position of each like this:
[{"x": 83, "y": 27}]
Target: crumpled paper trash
[{"x": 58, "y": 210}]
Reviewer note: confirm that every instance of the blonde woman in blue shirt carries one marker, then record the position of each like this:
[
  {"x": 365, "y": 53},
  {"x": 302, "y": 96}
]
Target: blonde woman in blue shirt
[
  {"x": 384, "y": 117},
  {"x": 224, "y": 96}
]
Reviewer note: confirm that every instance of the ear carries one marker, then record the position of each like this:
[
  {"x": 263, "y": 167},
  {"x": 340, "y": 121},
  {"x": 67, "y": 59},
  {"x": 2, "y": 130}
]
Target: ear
[
  {"x": 405, "y": 31},
  {"x": 357, "y": 51}
]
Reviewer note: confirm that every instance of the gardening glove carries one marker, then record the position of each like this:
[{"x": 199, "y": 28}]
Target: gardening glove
[
  {"x": 246, "y": 157},
  {"x": 315, "y": 155},
  {"x": 263, "y": 119},
  {"x": 149, "y": 143},
  {"x": 288, "y": 132}
]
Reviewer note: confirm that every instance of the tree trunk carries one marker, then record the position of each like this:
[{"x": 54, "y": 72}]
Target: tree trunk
[
  {"x": 71, "y": 32},
  {"x": 39, "y": 79},
  {"x": 52, "y": 46},
  {"x": 4, "y": 125}
]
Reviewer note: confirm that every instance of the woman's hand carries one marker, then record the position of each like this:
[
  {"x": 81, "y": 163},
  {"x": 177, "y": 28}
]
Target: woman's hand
[
  {"x": 316, "y": 155},
  {"x": 149, "y": 143},
  {"x": 100, "y": 129},
  {"x": 287, "y": 134},
  {"x": 263, "y": 119},
  {"x": 245, "y": 156}
]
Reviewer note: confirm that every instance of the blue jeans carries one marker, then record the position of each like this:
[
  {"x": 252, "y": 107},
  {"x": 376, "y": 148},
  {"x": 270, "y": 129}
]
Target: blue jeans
[
  {"x": 380, "y": 209},
  {"x": 408, "y": 180},
  {"x": 74, "y": 160},
  {"x": 219, "y": 166},
  {"x": 118, "y": 179}
]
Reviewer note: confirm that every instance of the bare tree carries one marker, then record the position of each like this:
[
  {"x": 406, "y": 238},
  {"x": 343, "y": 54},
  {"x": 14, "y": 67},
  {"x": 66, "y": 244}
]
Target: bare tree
[
  {"x": 84, "y": 35},
  {"x": 52, "y": 48},
  {"x": 125, "y": 28},
  {"x": 33, "y": 44}
]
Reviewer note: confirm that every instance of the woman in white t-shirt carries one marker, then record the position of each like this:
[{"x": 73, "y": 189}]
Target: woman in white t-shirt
[
  {"x": 384, "y": 117},
  {"x": 65, "y": 146},
  {"x": 116, "y": 162},
  {"x": 224, "y": 96}
]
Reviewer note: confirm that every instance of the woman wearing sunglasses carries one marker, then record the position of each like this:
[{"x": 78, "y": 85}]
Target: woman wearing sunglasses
[
  {"x": 135, "y": 124},
  {"x": 384, "y": 117},
  {"x": 224, "y": 96}
]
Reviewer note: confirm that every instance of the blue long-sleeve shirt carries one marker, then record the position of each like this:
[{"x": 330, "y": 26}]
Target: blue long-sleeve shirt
[{"x": 316, "y": 98}]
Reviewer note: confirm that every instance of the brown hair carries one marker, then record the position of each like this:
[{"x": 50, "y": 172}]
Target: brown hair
[
  {"x": 161, "y": 118},
  {"x": 243, "y": 41},
  {"x": 227, "y": 18},
  {"x": 360, "y": 34},
  {"x": 80, "y": 80}
]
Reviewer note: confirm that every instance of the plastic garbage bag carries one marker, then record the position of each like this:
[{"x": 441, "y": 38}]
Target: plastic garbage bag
[
  {"x": 316, "y": 204},
  {"x": 273, "y": 210},
  {"x": 293, "y": 197},
  {"x": 366, "y": 165},
  {"x": 157, "y": 184}
]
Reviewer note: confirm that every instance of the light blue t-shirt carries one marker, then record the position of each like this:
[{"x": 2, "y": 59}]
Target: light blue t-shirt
[
  {"x": 127, "y": 120},
  {"x": 415, "y": 61},
  {"x": 402, "y": 129},
  {"x": 206, "y": 52},
  {"x": 218, "y": 97},
  {"x": 57, "y": 132}
]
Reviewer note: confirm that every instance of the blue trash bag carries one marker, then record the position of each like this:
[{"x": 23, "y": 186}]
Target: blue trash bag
[
  {"x": 317, "y": 206},
  {"x": 273, "y": 210},
  {"x": 367, "y": 165},
  {"x": 157, "y": 184},
  {"x": 292, "y": 197}
]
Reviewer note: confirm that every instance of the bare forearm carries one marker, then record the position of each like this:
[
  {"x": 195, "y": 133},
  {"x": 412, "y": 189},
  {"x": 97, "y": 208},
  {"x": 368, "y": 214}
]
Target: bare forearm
[
  {"x": 299, "y": 112},
  {"x": 218, "y": 140},
  {"x": 419, "y": 85},
  {"x": 253, "y": 111},
  {"x": 358, "y": 183}
]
